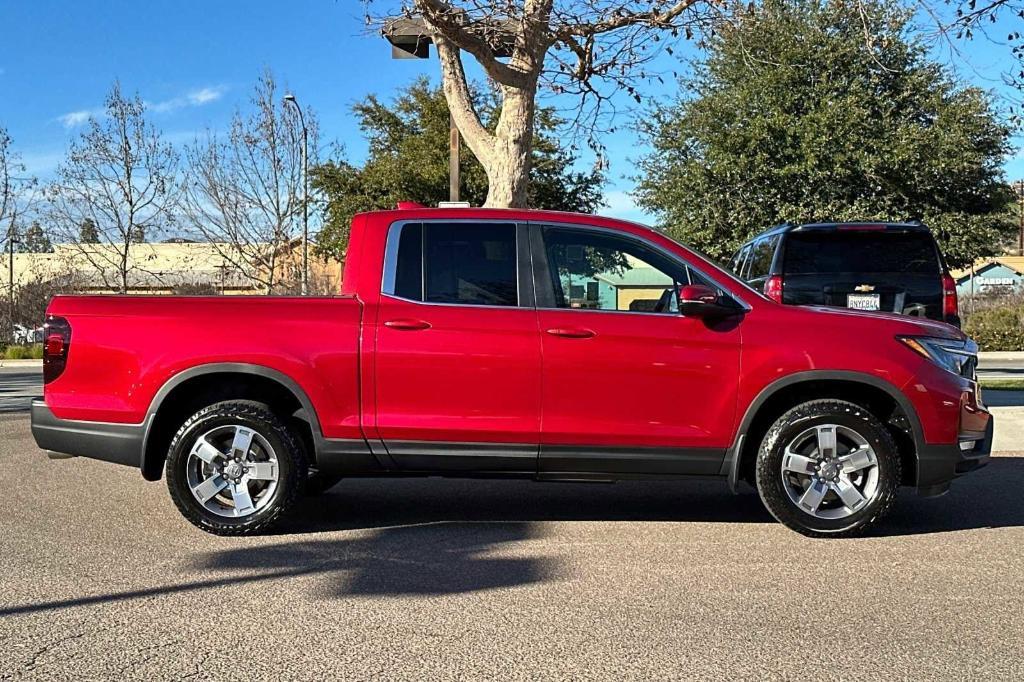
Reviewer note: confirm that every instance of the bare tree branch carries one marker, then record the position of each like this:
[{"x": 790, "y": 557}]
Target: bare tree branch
[{"x": 121, "y": 178}]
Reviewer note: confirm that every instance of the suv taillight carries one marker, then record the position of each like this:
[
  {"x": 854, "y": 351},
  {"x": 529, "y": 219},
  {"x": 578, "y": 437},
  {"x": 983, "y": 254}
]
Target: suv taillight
[
  {"x": 773, "y": 288},
  {"x": 56, "y": 344},
  {"x": 950, "y": 305}
]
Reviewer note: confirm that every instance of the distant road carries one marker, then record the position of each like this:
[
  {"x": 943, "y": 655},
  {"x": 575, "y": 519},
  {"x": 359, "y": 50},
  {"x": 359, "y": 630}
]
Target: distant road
[
  {"x": 1002, "y": 367},
  {"x": 18, "y": 386}
]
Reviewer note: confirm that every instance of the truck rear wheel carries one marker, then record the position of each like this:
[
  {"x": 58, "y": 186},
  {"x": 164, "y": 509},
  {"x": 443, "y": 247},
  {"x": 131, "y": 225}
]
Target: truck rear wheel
[
  {"x": 828, "y": 468},
  {"x": 235, "y": 468}
]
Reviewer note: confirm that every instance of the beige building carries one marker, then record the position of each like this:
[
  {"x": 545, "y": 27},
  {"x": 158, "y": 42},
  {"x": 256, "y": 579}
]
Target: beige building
[{"x": 168, "y": 267}]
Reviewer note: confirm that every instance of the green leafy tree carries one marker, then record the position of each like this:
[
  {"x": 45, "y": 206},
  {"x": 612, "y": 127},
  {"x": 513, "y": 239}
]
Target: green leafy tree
[
  {"x": 36, "y": 240},
  {"x": 408, "y": 161},
  {"x": 88, "y": 233},
  {"x": 810, "y": 110}
]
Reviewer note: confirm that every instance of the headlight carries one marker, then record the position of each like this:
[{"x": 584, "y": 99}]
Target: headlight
[{"x": 958, "y": 357}]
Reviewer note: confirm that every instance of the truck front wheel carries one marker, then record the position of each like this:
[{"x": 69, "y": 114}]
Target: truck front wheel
[
  {"x": 235, "y": 468},
  {"x": 828, "y": 468}
]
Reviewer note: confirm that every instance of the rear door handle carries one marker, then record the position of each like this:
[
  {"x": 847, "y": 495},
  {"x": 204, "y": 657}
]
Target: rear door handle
[
  {"x": 407, "y": 325},
  {"x": 572, "y": 333}
]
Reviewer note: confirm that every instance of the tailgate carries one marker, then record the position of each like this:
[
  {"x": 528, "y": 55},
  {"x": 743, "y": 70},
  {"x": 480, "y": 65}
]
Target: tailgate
[{"x": 913, "y": 294}]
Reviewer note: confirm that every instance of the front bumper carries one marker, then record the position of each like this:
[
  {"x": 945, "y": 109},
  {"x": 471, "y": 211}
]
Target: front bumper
[
  {"x": 938, "y": 465},
  {"x": 118, "y": 443}
]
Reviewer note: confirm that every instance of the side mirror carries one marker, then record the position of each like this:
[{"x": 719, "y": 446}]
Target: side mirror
[{"x": 697, "y": 300}]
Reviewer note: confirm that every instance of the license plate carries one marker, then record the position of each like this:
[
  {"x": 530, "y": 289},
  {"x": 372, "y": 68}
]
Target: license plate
[{"x": 863, "y": 301}]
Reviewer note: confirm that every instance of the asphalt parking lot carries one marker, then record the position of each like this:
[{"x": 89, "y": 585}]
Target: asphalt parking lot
[{"x": 433, "y": 579}]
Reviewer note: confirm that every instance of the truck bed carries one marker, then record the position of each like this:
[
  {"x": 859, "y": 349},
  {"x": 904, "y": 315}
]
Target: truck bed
[{"x": 125, "y": 348}]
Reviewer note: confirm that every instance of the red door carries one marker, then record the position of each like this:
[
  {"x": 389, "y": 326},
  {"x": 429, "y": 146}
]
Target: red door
[
  {"x": 457, "y": 359},
  {"x": 629, "y": 384}
]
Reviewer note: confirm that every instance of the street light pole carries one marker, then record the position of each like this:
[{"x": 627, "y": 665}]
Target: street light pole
[
  {"x": 1020, "y": 203},
  {"x": 305, "y": 194},
  {"x": 12, "y": 237}
]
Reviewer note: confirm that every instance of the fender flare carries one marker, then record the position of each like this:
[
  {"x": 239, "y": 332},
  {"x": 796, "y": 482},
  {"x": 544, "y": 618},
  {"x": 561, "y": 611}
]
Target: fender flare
[
  {"x": 234, "y": 368},
  {"x": 731, "y": 465}
]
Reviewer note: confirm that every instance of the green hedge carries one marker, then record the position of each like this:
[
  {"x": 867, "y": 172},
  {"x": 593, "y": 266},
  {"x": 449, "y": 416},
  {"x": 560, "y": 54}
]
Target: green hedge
[
  {"x": 997, "y": 328},
  {"x": 33, "y": 352}
]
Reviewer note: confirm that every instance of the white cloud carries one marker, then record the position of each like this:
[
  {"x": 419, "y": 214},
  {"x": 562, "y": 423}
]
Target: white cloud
[
  {"x": 204, "y": 95},
  {"x": 74, "y": 119},
  {"x": 194, "y": 98}
]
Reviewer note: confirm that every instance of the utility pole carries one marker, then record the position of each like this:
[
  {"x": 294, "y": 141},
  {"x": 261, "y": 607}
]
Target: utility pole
[
  {"x": 305, "y": 194},
  {"x": 453, "y": 159}
]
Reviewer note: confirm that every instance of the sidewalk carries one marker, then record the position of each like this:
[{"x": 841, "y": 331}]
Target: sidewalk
[
  {"x": 21, "y": 363},
  {"x": 998, "y": 355}
]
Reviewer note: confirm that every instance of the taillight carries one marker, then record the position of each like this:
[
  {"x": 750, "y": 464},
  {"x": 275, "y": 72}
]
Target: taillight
[
  {"x": 56, "y": 344},
  {"x": 950, "y": 305},
  {"x": 773, "y": 288}
]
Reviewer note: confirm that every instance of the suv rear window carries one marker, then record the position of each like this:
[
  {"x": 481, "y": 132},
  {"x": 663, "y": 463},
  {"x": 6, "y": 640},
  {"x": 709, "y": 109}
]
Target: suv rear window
[{"x": 832, "y": 252}]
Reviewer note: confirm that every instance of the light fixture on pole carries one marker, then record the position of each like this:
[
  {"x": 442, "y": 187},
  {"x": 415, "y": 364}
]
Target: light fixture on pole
[
  {"x": 410, "y": 39},
  {"x": 290, "y": 98}
]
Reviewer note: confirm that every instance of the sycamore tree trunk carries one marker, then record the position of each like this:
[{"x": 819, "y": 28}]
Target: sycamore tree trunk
[
  {"x": 505, "y": 153},
  {"x": 508, "y": 172}
]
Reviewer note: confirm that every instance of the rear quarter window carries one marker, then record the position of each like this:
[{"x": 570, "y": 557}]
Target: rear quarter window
[{"x": 834, "y": 252}]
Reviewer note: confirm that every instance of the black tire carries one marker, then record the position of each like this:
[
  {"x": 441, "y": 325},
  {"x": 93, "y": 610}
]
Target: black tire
[
  {"x": 291, "y": 460},
  {"x": 319, "y": 482},
  {"x": 771, "y": 483}
]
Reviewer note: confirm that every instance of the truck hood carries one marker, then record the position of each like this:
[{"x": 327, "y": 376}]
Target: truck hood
[{"x": 901, "y": 324}]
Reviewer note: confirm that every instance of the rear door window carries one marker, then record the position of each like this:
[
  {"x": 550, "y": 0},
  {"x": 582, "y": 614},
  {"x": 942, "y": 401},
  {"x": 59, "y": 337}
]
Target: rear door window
[
  {"x": 761, "y": 258},
  {"x": 830, "y": 252},
  {"x": 456, "y": 263},
  {"x": 740, "y": 260}
]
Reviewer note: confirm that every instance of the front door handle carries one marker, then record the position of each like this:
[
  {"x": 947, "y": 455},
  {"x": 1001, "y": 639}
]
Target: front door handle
[
  {"x": 572, "y": 333},
  {"x": 407, "y": 325}
]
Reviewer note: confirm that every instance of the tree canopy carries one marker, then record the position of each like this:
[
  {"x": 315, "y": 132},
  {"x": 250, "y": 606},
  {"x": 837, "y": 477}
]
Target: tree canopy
[
  {"x": 808, "y": 110},
  {"x": 408, "y": 161}
]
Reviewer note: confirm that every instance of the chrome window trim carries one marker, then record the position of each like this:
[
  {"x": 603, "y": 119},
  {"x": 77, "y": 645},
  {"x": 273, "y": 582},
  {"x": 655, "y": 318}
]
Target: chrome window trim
[
  {"x": 390, "y": 270},
  {"x": 584, "y": 227}
]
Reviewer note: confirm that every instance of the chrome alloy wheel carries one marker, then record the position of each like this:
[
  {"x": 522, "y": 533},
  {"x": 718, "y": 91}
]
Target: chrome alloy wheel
[
  {"x": 830, "y": 471},
  {"x": 232, "y": 471}
]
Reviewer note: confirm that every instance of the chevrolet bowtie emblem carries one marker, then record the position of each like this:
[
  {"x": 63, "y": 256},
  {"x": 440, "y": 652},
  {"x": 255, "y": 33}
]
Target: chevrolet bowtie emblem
[{"x": 864, "y": 287}]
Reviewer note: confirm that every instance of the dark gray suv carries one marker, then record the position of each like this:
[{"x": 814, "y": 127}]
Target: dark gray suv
[{"x": 891, "y": 267}]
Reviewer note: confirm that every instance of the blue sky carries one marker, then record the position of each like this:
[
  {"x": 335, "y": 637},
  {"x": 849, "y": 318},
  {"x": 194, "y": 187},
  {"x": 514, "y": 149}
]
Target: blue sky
[{"x": 195, "y": 63}]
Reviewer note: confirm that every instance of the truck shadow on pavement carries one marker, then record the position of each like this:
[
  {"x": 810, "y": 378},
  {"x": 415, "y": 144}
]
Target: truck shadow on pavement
[
  {"x": 374, "y": 503},
  {"x": 992, "y": 497},
  {"x": 430, "y": 559}
]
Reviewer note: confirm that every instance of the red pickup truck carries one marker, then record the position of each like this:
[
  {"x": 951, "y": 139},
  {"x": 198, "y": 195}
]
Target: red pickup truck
[{"x": 528, "y": 344}]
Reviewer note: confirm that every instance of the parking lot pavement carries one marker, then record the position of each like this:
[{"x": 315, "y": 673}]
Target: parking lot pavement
[{"x": 433, "y": 579}]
